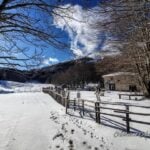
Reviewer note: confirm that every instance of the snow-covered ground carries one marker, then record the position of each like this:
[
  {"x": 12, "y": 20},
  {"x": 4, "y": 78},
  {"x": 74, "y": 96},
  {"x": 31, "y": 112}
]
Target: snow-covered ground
[
  {"x": 111, "y": 96},
  {"x": 16, "y": 87},
  {"x": 34, "y": 121}
]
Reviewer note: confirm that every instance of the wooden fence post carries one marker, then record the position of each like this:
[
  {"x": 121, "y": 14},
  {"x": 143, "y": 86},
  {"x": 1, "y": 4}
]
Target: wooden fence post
[
  {"x": 83, "y": 107},
  {"x": 63, "y": 98},
  {"x": 63, "y": 95},
  {"x": 127, "y": 119},
  {"x": 119, "y": 96},
  {"x": 129, "y": 97},
  {"x": 97, "y": 111},
  {"x": 74, "y": 104},
  {"x": 60, "y": 99},
  {"x": 67, "y": 102},
  {"x": 66, "y": 105},
  {"x": 78, "y": 95}
]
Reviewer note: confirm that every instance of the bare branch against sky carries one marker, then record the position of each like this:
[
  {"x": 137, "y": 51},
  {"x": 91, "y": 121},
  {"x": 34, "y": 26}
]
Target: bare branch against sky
[{"x": 24, "y": 23}]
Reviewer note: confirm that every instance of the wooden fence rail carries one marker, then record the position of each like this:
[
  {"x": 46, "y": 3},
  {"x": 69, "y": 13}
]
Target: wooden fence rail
[
  {"x": 97, "y": 108},
  {"x": 130, "y": 96}
]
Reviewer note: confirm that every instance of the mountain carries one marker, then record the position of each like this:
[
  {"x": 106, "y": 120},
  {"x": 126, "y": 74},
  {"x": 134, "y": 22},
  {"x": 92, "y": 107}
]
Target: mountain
[
  {"x": 45, "y": 74},
  {"x": 40, "y": 75},
  {"x": 71, "y": 72},
  {"x": 13, "y": 75}
]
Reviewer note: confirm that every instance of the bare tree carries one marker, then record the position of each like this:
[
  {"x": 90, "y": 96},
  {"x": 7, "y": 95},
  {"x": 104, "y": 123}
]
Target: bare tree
[
  {"x": 129, "y": 24},
  {"x": 27, "y": 22}
]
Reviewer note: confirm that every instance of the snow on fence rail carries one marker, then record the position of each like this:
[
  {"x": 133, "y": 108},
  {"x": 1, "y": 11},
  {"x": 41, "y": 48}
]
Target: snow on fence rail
[{"x": 97, "y": 108}]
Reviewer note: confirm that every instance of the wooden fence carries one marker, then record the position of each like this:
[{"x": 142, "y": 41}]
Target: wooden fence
[
  {"x": 131, "y": 95},
  {"x": 62, "y": 97},
  {"x": 96, "y": 108}
]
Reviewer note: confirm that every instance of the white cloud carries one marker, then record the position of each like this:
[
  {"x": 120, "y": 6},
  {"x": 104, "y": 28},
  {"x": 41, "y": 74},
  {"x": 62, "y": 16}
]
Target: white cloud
[
  {"x": 53, "y": 60},
  {"x": 50, "y": 60},
  {"x": 84, "y": 37}
]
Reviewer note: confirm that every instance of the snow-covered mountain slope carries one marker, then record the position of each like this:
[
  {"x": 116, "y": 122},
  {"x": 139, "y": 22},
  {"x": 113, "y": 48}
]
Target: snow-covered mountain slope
[
  {"x": 5, "y": 87},
  {"x": 14, "y": 87}
]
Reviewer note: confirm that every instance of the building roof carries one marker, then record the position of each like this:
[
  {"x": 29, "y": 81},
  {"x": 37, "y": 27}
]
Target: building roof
[{"x": 118, "y": 74}]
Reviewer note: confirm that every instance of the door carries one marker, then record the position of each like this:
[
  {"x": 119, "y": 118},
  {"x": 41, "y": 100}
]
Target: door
[
  {"x": 112, "y": 86},
  {"x": 132, "y": 88}
]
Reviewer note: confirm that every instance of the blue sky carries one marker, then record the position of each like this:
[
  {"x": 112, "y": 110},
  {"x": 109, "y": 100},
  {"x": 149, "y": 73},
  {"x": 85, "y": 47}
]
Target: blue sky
[
  {"x": 83, "y": 3},
  {"x": 77, "y": 30},
  {"x": 61, "y": 55},
  {"x": 82, "y": 39}
]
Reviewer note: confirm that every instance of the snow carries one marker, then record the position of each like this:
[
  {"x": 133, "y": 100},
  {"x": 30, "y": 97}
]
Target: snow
[
  {"x": 15, "y": 87},
  {"x": 112, "y": 96},
  {"x": 34, "y": 121},
  {"x": 119, "y": 73}
]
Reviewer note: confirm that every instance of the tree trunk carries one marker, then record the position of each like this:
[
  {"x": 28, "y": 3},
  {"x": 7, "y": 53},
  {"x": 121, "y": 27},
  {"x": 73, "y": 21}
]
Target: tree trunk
[{"x": 147, "y": 88}]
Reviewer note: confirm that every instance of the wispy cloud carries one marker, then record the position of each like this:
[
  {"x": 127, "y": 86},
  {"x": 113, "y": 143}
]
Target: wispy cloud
[
  {"x": 50, "y": 61},
  {"x": 84, "y": 37}
]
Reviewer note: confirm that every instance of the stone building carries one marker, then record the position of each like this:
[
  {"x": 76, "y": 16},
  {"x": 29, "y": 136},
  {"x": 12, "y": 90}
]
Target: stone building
[{"x": 122, "y": 81}]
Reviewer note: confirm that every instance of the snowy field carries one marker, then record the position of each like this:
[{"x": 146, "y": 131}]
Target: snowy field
[
  {"x": 111, "y": 96},
  {"x": 16, "y": 87},
  {"x": 32, "y": 120}
]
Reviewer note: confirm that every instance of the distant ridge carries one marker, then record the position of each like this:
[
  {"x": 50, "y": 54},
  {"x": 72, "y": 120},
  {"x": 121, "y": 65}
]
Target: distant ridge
[{"x": 40, "y": 75}]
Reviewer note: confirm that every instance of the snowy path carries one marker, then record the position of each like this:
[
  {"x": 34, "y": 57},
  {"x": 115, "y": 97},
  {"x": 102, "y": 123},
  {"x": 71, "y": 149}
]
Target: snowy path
[
  {"x": 24, "y": 122},
  {"x": 34, "y": 121}
]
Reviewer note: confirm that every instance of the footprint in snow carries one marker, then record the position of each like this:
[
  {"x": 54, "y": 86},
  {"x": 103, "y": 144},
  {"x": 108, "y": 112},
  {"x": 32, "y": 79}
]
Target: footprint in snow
[
  {"x": 84, "y": 142},
  {"x": 59, "y": 135},
  {"x": 72, "y": 131},
  {"x": 57, "y": 146},
  {"x": 71, "y": 145},
  {"x": 89, "y": 147}
]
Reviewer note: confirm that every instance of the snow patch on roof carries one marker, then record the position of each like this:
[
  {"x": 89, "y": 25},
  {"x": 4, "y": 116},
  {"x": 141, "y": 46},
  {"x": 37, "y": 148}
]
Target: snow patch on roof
[{"x": 119, "y": 73}]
